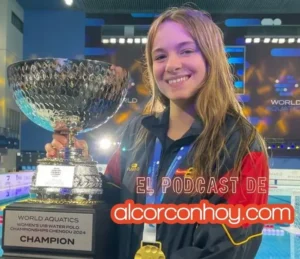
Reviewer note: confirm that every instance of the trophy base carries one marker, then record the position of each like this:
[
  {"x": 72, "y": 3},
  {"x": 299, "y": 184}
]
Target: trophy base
[
  {"x": 72, "y": 179},
  {"x": 59, "y": 231}
]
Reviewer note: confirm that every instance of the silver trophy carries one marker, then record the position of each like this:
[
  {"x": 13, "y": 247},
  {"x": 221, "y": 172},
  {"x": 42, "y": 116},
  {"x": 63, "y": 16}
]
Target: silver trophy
[
  {"x": 68, "y": 97},
  {"x": 67, "y": 217}
]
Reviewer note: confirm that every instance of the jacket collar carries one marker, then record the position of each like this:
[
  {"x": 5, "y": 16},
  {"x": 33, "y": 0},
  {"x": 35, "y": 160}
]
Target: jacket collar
[{"x": 158, "y": 125}]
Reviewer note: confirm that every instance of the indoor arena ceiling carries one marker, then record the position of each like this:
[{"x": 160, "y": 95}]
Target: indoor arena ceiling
[{"x": 156, "y": 6}]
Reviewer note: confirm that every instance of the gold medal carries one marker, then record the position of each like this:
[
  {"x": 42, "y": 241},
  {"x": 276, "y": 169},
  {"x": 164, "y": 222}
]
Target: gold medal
[{"x": 150, "y": 251}]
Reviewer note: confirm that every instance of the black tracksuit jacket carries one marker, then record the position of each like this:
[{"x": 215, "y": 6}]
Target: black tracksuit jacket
[{"x": 184, "y": 241}]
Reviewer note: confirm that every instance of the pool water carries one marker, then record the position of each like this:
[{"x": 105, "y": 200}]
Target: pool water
[{"x": 286, "y": 246}]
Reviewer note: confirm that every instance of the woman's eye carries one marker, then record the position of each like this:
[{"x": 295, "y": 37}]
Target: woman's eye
[
  {"x": 188, "y": 51},
  {"x": 160, "y": 57}
]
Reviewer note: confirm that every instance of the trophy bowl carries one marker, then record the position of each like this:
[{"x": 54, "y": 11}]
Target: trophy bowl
[{"x": 69, "y": 97}]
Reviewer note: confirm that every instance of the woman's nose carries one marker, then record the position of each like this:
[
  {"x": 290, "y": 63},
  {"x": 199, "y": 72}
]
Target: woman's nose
[{"x": 173, "y": 63}]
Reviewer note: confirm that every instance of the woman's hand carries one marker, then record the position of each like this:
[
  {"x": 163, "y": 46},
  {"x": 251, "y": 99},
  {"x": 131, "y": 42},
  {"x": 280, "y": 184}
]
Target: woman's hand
[{"x": 60, "y": 141}]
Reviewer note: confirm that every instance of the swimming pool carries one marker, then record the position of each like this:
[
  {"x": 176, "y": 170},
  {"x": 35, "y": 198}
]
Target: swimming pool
[{"x": 280, "y": 245}]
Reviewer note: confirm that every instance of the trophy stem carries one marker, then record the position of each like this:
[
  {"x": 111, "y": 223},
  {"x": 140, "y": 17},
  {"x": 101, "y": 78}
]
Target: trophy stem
[{"x": 71, "y": 135}]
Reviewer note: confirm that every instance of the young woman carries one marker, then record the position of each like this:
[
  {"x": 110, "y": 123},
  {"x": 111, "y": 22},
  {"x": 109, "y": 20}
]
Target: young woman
[{"x": 194, "y": 127}]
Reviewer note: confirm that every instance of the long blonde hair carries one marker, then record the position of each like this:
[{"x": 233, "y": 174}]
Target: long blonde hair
[{"x": 215, "y": 100}]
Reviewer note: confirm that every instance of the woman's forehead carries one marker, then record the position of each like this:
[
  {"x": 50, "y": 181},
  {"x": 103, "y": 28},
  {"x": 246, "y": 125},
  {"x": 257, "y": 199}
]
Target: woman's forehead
[{"x": 171, "y": 34}]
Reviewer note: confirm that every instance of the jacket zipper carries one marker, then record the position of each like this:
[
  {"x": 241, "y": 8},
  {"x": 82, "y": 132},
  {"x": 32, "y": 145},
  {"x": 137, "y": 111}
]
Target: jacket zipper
[{"x": 162, "y": 156}]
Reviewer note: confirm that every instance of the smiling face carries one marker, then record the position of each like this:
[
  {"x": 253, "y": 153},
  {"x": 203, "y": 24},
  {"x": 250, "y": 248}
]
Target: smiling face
[{"x": 178, "y": 65}]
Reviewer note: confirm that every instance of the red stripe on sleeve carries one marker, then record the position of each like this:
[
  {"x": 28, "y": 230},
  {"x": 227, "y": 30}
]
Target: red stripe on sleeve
[{"x": 253, "y": 184}]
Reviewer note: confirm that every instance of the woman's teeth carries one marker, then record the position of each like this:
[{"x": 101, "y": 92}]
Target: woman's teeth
[{"x": 181, "y": 79}]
